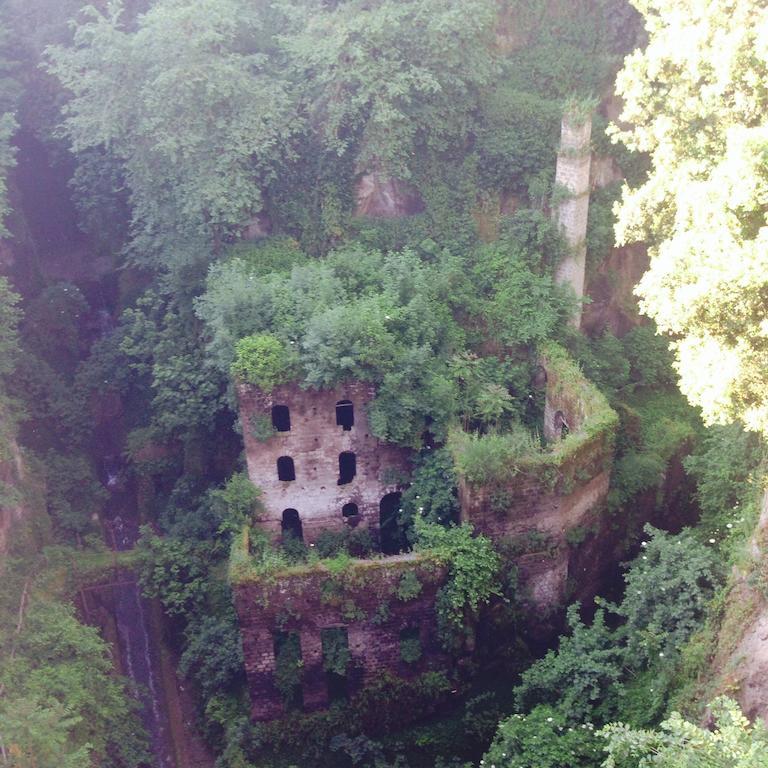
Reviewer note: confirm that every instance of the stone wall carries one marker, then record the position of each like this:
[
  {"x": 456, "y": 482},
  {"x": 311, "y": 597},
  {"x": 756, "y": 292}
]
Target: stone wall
[
  {"x": 362, "y": 599},
  {"x": 553, "y": 494},
  {"x": 315, "y": 442},
  {"x": 573, "y": 174}
]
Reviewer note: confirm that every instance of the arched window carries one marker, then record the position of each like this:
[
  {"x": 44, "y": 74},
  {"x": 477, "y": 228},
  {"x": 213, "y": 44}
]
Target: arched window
[
  {"x": 285, "y": 468},
  {"x": 390, "y": 531},
  {"x": 281, "y": 418},
  {"x": 347, "y": 467},
  {"x": 345, "y": 414},
  {"x": 291, "y": 525},
  {"x": 349, "y": 510}
]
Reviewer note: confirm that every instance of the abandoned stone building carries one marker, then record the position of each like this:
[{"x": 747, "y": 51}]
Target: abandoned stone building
[{"x": 321, "y": 468}]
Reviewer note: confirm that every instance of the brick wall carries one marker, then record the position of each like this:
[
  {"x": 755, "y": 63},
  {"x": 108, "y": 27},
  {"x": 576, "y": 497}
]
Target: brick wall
[
  {"x": 361, "y": 599},
  {"x": 314, "y": 442}
]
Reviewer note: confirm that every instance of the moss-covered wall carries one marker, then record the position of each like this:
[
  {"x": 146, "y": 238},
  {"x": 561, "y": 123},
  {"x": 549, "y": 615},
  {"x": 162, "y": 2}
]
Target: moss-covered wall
[
  {"x": 374, "y": 600},
  {"x": 548, "y": 498}
]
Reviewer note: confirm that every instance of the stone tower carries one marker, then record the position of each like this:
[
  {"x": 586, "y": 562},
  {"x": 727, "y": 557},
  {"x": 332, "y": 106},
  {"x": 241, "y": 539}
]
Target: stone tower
[{"x": 573, "y": 165}]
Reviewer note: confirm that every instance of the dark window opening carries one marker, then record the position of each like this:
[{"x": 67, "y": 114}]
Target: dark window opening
[
  {"x": 345, "y": 414},
  {"x": 391, "y": 534},
  {"x": 281, "y": 418},
  {"x": 336, "y": 659},
  {"x": 410, "y": 645},
  {"x": 349, "y": 510},
  {"x": 291, "y": 525},
  {"x": 347, "y": 467},
  {"x": 561, "y": 425},
  {"x": 285, "y": 468},
  {"x": 288, "y": 668}
]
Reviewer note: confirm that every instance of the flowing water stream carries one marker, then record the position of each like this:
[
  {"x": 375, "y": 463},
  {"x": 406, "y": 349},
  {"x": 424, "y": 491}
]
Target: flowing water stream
[{"x": 138, "y": 652}]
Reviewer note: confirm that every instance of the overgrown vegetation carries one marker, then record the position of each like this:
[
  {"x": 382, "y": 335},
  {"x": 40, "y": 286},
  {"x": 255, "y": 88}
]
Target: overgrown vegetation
[{"x": 141, "y": 168}]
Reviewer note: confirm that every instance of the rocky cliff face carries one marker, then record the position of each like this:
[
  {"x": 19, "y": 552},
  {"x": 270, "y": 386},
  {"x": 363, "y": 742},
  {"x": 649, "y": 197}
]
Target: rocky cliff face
[
  {"x": 740, "y": 661},
  {"x": 22, "y": 492}
]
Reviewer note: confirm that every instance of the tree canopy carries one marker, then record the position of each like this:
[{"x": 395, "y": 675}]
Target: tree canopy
[
  {"x": 190, "y": 105},
  {"x": 696, "y": 100}
]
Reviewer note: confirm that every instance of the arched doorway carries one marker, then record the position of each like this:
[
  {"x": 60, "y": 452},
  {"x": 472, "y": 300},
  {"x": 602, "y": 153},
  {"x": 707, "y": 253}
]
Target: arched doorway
[
  {"x": 390, "y": 533},
  {"x": 291, "y": 525}
]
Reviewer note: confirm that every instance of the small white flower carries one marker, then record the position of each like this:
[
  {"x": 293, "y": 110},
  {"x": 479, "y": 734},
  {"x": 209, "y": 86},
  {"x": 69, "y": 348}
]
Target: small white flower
[
  {"x": 661, "y": 654},
  {"x": 711, "y": 541}
]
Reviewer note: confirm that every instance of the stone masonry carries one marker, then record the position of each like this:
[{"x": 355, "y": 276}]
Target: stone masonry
[
  {"x": 363, "y": 601},
  {"x": 573, "y": 167},
  {"x": 315, "y": 442}
]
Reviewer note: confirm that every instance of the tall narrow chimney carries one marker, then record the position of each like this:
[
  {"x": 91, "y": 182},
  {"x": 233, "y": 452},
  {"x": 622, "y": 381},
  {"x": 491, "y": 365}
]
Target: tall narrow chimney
[{"x": 572, "y": 178}]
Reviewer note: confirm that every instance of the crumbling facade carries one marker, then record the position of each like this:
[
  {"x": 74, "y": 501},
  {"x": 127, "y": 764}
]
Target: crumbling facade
[
  {"x": 557, "y": 497},
  {"x": 376, "y": 618},
  {"x": 379, "y": 615},
  {"x": 317, "y": 464},
  {"x": 573, "y": 179}
]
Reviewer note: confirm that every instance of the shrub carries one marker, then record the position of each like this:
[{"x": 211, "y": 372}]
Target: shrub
[
  {"x": 544, "y": 739},
  {"x": 261, "y": 359},
  {"x": 582, "y": 677},
  {"x": 473, "y": 569},
  {"x": 668, "y": 587}
]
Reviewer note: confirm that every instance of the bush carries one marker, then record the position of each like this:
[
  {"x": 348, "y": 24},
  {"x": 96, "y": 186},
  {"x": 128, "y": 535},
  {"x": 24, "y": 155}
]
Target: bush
[
  {"x": 261, "y": 359},
  {"x": 582, "y": 677},
  {"x": 668, "y": 588},
  {"x": 493, "y": 458},
  {"x": 473, "y": 569},
  {"x": 732, "y": 743},
  {"x": 544, "y": 738}
]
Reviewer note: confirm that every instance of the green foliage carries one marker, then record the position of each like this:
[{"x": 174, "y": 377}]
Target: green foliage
[
  {"x": 159, "y": 344},
  {"x": 545, "y": 738},
  {"x": 582, "y": 677},
  {"x": 53, "y": 327},
  {"x": 173, "y": 570},
  {"x": 336, "y": 656},
  {"x": 605, "y": 362},
  {"x": 409, "y": 587},
  {"x": 240, "y": 499},
  {"x": 517, "y": 137},
  {"x": 702, "y": 208},
  {"x": 473, "y": 567},
  {"x": 10, "y": 315},
  {"x": 213, "y": 654},
  {"x": 261, "y": 360},
  {"x": 668, "y": 588},
  {"x": 432, "y": 493},
  {"x": 74, "y": 494},
  {"x": 725, "y": 467},
  {"x": 289, "y": 667},
  {"x": 633, "y": 473},
  {"x": 405, "y": 74},
  {"x": 410, "y": 648},
  {"x": 732, "y": 743},
  {"x": 492, "y": 458},
  {"x": 62, "y": 704},
  {"x": 197, "y": 118},
  {"x": 8, "y": 127},
  {"x": 649, "y": 357}
]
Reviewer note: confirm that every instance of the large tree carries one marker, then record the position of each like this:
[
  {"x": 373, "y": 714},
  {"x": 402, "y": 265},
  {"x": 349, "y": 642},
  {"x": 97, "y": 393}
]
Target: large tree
[
  {"x": 388, "y": 76},
  {"x": 191, "y": 106},
  {"x": 696, "y": 99}
]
